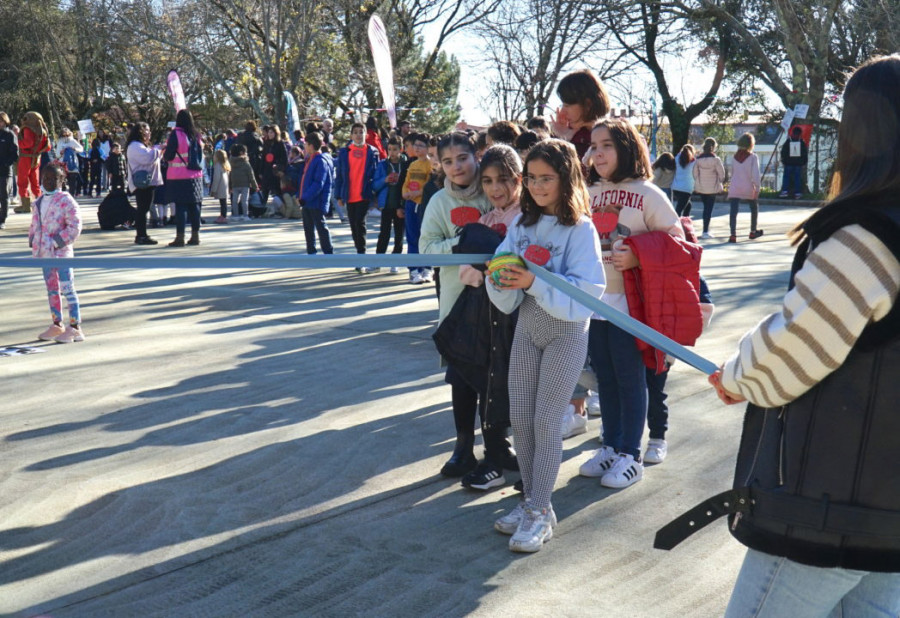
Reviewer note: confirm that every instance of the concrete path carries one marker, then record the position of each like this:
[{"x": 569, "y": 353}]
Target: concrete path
[{"x": 267, "y": 443}]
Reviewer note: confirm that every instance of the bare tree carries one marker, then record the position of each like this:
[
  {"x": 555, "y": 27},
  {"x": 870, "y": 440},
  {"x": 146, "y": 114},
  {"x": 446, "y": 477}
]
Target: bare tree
[
  {"x": 650, "y": 30},
  {"x": 528, "y": 44}
]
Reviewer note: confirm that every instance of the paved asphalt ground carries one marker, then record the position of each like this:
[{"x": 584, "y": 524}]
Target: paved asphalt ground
[{"x": 267, "y": 443}]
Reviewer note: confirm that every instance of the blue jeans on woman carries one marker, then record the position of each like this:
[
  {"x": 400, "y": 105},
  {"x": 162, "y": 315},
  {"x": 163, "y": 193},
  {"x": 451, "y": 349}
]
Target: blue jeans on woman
[
  {"x": 621, "y": 386},
  {"x": 771, "y": 586}
]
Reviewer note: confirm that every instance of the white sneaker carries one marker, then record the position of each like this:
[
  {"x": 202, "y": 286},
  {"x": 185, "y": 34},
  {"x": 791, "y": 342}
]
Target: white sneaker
[
  {"x": 656, "y": 451},
  {"x": 70, "y": 335},
  {"x": 624, "y": 472},
  {"x": 395, "y": 270},
  {"x": 593, "y": 404},
  {"x": 509, "y": 523},
  {"x": 427, "y": 276},
  {"x": 599, "y": 463},
  {"x": 372, "y": 269},
  {"x": 534, "y": 529},
  {"x": 415, "y": 278},
  {"x": 573, "y": 423},
  {"x": 706, "y": 236}
]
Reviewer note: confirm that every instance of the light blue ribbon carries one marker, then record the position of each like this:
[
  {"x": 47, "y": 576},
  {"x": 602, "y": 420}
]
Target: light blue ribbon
[{"x": 354, "y": 260}]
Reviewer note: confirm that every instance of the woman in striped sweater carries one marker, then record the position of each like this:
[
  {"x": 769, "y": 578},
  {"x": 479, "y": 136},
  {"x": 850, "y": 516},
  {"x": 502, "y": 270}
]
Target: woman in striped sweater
[{"x": 830, "y": 354}]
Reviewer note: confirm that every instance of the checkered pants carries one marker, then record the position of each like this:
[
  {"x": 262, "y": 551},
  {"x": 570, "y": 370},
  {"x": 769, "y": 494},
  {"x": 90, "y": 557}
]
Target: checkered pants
[{"x": 546, "y": 360}]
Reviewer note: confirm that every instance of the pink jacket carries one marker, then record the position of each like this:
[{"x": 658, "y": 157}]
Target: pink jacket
[
  {"x": 55, "y": 225},
  {"x": 744, "y": 178}
]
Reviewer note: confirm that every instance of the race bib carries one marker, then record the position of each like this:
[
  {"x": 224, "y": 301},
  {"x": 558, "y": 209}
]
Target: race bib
[{"x": 795, "y": 149}]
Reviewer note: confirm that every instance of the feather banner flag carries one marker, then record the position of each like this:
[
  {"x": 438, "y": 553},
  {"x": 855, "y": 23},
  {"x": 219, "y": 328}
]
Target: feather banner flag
[
  {"x": 292, "y": 116},
  {"x": 384, "y": 67},
  {"x": 174, "y": 84}
]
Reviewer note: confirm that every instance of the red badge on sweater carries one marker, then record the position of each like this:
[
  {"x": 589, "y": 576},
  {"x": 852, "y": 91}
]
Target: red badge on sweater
[
  {"x": 270, "y": 158},
  {"x": 537, "y": 254},
  {"x": 500, "y": 228},
  {"x": 462, "y": 215},
  {"x": 605, "y": 222}
]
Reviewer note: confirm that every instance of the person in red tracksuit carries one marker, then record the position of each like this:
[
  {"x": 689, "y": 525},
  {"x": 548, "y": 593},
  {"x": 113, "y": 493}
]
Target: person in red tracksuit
[{"x": 33, "y": 141}]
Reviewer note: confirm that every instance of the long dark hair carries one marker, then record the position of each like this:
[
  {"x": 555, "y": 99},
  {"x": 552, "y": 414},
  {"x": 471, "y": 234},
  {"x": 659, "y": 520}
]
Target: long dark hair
[
  {"x": 867, "y": 168},
  {"x": 136, "y": 134},
  {"x": 666, "y": 161},
  {"x": 573, "y": 199},
  {"x": 184, "y": 120},
  {"x": 633, "y": 160}
]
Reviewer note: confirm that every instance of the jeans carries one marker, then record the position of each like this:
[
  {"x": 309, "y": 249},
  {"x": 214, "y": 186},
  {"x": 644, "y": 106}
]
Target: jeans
[
  {"x": 4, "y": 197},
  {"x": 187, "y": 211},
  {"x": 389, "y": 220},
  {"x": 709, "y": 202},
  {"x": 774, "y": 586},
  {"x": 754, "y": 214},
  {"x": 657, "y": 410},
  {"x": 240, "y": 201},
  {"x": 144, "y": 198},
  {"x": 791, "y": 180},
  {"x": 621, "y": 386},
  {"x": 413, "y": 230},
  {"x": 356, "y": 212},
  {"x": 682, "y": 203},
  {"x": 314, "y": 222}
]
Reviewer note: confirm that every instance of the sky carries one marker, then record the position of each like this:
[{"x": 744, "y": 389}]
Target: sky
[{"x": 688, "y": 80}]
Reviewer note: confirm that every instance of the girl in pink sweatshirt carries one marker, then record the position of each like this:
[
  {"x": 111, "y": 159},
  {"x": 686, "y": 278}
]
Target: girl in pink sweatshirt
[{"x": 744, "y": 185}]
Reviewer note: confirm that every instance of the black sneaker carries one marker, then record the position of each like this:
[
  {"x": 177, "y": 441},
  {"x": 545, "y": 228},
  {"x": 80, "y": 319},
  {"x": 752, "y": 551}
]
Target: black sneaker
[
  {"x": 484, "y": 477},
  {"x": 519, "y": 486}
]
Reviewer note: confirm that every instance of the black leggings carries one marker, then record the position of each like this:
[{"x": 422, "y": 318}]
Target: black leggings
[
  {"x": 144, "y": 199},
  {"x": 223, "y": 206},
  {"x": 682, "y": 203}
]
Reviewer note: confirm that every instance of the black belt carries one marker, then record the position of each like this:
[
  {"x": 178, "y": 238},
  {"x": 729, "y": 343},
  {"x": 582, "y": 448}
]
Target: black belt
[{"x": 820, "y": 515}]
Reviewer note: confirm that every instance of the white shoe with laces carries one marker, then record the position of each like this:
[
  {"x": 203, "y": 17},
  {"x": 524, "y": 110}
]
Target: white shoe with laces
[
  {"x": 573, "y": 423},
  {"x": 509, "y": 523},
  {"x": 599, "y": 463},
  {"x": 626, "y": 471},
  {"x": 656, "y": 451},
  {"x": 395, "y": 270},
  {"x": 535, "y": 528}
]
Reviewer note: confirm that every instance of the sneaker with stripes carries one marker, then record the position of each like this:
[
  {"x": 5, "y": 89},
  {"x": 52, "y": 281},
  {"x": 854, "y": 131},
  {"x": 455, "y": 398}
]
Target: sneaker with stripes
[
  {"x": 600, "y": 462},
  {"x": 625, "y": 471}
]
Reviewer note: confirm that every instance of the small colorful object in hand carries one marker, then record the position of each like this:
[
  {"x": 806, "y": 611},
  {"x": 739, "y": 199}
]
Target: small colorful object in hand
[{"x": 500, "y": 262}]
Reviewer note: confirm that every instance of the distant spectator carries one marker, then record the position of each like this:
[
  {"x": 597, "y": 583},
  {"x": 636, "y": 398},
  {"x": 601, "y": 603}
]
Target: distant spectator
[
  {"x": 251, "y": 140},
  {"x": 683, "y": 182},
  {"x": 709, "y": 179},
  {"x": 794, "y": 156},
  {"x": 373, "y": 138},
  {"x": 664, "y": 173}
]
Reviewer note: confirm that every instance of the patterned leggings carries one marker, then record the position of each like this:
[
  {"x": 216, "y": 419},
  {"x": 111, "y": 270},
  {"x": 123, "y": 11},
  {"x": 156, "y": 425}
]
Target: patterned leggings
[
  {"x": 546, "y": 360},
  {"x": 62, "y": 280}
]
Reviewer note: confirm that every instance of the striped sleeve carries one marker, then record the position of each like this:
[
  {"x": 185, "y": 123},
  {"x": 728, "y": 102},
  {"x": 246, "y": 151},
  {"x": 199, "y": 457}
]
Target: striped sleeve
[{"x": 849, "y": 280}]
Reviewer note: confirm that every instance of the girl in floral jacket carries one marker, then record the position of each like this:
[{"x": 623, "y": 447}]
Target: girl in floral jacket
[{"x": 55, "y": 225}]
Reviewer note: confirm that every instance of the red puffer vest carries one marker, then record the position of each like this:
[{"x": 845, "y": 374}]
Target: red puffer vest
[{"x": 664, "y": 292}]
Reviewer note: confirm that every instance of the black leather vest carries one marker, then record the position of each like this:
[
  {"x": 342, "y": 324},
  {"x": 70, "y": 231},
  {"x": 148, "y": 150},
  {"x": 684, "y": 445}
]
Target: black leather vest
[{"x": 818, "y": 480}]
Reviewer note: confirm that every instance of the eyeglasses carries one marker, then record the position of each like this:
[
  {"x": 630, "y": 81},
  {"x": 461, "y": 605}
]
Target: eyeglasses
[{"x": 538, "y": 182}]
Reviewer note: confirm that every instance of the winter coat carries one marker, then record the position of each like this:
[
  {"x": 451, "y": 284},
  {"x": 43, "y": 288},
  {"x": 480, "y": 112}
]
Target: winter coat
[
  {"x": 745, "y": 177},
  {"x": 372, "y": 139},
  {"x": 317, "y": 182},
  {"x": 476, "y": 337},
  {"x": 274, "y": 158},
  {"x": 388, "y": 194},
  {"x": 144, "y": 158},
  {"x": 254, "y": 145},
  {"x": 709, "y": 175},
  {"x": 242, "y": 175},
  {"x": 9, "y": 152},
  {"x": 218, "y": 188},
  {"x": 664, "y": 293},
  {"x": 342, "y": 174},
  {"x": 55, "y": 225}
]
